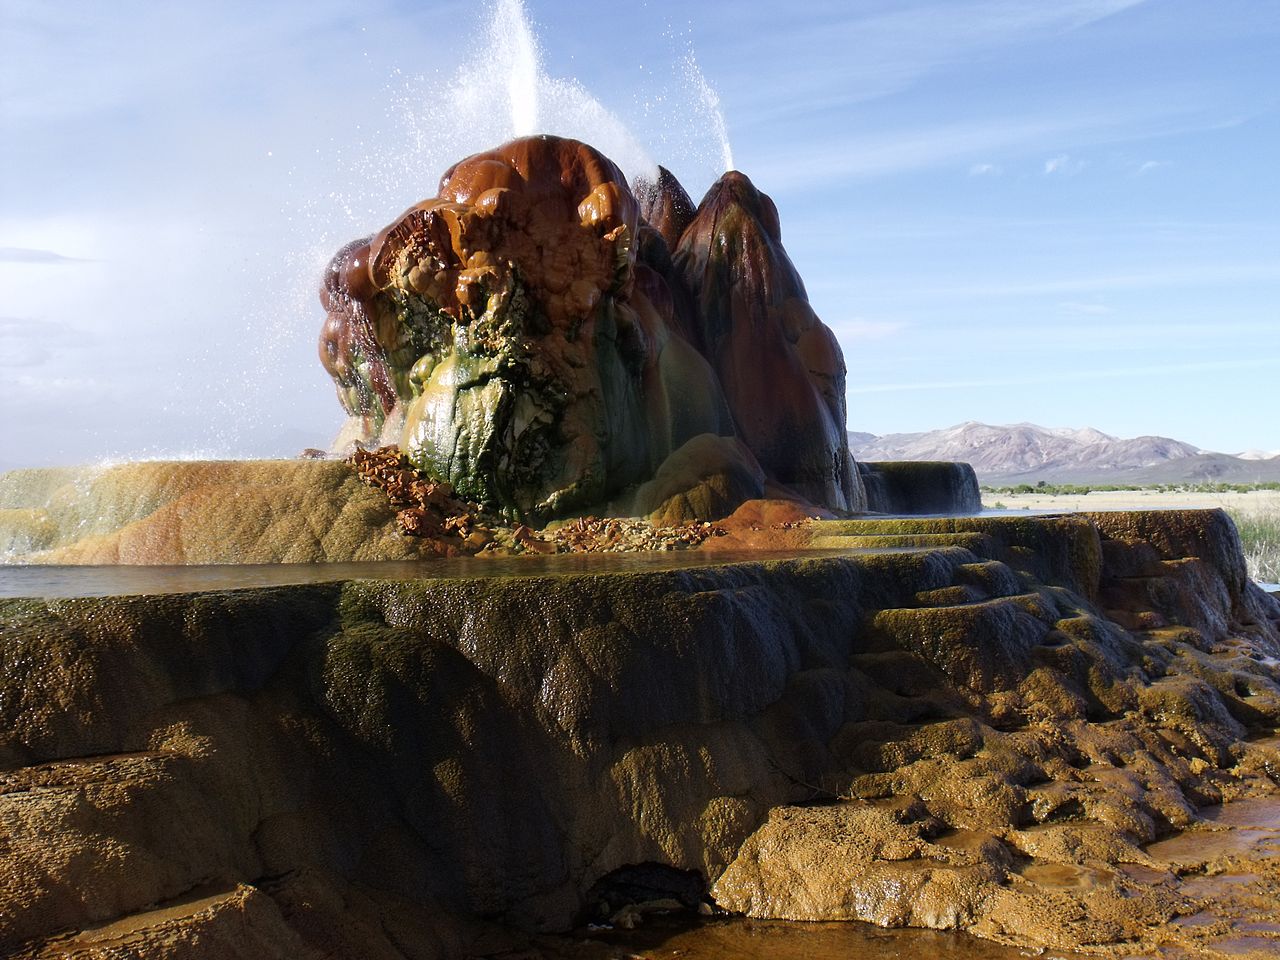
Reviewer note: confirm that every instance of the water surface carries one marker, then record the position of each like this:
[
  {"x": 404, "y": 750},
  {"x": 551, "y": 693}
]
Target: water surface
[{"x": 125, "y": 580}]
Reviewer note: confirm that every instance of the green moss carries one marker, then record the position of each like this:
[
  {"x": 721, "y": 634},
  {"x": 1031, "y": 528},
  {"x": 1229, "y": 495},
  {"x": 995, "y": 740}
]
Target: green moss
[{"x": 1062, "y": 550}]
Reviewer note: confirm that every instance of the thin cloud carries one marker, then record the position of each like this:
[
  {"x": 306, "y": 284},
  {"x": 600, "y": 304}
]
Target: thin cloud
[
  {"x": 985, "y": 170},
  {"x": 1063, "y": 165},
  {"x": 1069, "y": 377},
  {"x": 897, "y": 49},
  {"x": 904, "y": 150},
  {"x": 1181, "y": 276},
  {"x": 1088, "y": 309},
  {"x": 28, "y": 255},
  {"x": 1150, "y": 165},
  {"x": 31, "y": 343},
  {"x": 859, "y": 329}
]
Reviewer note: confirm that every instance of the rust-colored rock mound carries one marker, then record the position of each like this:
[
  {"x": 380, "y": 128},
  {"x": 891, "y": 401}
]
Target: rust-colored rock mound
[
  {"x": 525, "y": 336},
  {"x": 665, "y": 206},
  {"x": 781, "y": 368}
]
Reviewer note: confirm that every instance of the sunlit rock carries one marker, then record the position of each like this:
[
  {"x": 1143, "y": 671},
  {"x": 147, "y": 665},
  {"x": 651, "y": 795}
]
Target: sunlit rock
[{"x": 339, "y": 769}]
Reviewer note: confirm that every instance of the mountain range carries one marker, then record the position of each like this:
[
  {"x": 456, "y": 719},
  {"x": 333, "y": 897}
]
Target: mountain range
[{"x": 1026, "y": 453}]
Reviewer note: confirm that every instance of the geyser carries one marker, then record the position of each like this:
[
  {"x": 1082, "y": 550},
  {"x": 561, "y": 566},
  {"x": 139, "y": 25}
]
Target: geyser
[{"x": 1000, "y": 717}]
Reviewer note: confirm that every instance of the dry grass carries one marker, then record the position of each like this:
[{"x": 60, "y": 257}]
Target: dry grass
[{"x": 1260, "y": 535}]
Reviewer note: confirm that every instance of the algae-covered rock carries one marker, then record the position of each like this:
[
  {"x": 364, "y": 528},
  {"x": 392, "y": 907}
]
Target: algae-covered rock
[
  {"x": 706, "y": 479},
  {"x": 920, "y": 486},
  {"x": 510, "y": 336}
]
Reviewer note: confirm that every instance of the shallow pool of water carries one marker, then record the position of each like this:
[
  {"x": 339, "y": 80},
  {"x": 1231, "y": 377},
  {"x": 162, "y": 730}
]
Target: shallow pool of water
[
  {"x": 109, "y": 581},
  {"x": 744, "y": 939}
]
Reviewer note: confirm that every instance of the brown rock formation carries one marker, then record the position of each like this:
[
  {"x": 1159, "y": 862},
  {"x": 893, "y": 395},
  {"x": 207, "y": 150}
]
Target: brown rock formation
[
  {"x": 665, "y": 206},
  {"x": 526, "y": 336},
  {"x": 781, "y": 368}
]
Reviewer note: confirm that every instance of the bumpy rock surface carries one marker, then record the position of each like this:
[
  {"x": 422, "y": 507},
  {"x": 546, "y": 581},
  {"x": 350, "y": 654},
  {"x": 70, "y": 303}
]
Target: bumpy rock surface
[
  {"x": 526, "y": 336},
  {"x": 781, "y": 367},
  {"x": 987, "y": 731}
]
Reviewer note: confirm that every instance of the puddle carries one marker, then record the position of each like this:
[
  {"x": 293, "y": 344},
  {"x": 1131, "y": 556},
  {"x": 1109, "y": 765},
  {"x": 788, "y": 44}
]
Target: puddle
[
  {"x": 1217, "y": 886},
  {"x": 109, "y": 581},
  {"x": 1202, "y": 919},
  {"x": 1065, "y": 876},
  {"x": 971, "y": 841},
  {"x": 1260, "y": 812},
  {"x": 743, "y": 939},
  {"x": 1259, "y": 927},
  {"x": 1150, "y": 876},
  {"x": 1235, "y": 946},
  {"x": 1245, "y": 828}
]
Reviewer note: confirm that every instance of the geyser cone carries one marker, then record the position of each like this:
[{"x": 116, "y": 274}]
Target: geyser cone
[
  {"x": 536, "y": 374},
  {"x": 781, "y": 368}
]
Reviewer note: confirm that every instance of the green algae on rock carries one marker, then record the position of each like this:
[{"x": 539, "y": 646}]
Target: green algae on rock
[{"x": 920, "y": 486}]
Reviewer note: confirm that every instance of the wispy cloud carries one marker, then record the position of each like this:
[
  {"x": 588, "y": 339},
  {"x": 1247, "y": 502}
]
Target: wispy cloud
[
  {"x": 1087, "y": 309},
  {"x": 1149, "y": 165},
  {"x": 1113, "y": 373},
  {"x": 28, "y": 255},
  {"x": 860, "y": 329},
  {"x": 985, "y": 170},
  {"x": 1179, "y": 275},
  {"x": 900, "y": 150},
  {"x": 895, "y": 50},
  {"x": 31, "y": 343},
  {"x": 1063, "y": 165}
]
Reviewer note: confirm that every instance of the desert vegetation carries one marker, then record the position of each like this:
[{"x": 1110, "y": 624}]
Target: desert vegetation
[
  {"x": 1080, "y": 489},
  {"x": 1260, "y": 535}
]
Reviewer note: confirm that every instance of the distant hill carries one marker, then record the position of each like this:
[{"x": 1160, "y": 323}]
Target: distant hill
[{"x": 1026, "y": 453}]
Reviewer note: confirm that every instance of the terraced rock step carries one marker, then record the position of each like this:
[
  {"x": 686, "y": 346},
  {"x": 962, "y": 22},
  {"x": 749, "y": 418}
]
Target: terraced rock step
[
  {"x": 230, "y": 921},
  {"x": 75, "y": 773}
]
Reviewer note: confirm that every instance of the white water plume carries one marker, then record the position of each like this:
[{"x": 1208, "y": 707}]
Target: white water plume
[
  {"x": 509, "y": 32},
  {"x": 709, "y": 100},
  {"x": 378, "y": 166}
]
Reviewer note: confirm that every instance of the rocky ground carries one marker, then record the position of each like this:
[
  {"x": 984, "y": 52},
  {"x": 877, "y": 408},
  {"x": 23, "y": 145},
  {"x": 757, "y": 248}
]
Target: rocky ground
[{"x": 323, "y": 511}]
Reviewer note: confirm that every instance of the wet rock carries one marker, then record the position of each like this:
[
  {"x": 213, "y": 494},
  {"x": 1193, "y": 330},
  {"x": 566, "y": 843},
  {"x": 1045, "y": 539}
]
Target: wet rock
[
  {"x": 920, "y": 487},
  {"x": 782, "y": 371},
  {"x": 508, "y": 332},
  {"x": 706, "y": 479},
  {"x": 665, "y": 206},
  {"x": 288, "y": 511}
]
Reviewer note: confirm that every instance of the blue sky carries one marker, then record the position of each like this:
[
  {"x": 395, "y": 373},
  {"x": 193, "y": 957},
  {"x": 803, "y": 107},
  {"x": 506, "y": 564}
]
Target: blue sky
[{"x": 1011, "y": 210}]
